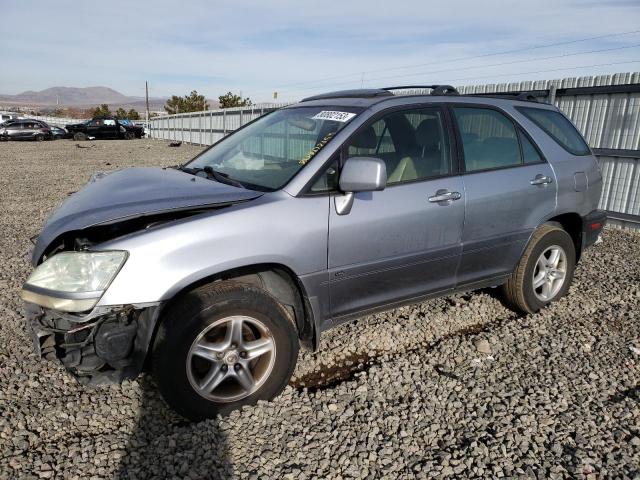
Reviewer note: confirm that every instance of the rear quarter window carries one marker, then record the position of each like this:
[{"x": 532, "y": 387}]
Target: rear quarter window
[{"x": 558, "y": 127}]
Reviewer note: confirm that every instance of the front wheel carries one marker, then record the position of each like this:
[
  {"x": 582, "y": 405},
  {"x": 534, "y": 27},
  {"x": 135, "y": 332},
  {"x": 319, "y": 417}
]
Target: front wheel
[
  {"x": 545, "y": 271},
  {"x": 223, "y": 346},
  {"x": 129, "y": 135},
  {"x": 80, "y": 136}
]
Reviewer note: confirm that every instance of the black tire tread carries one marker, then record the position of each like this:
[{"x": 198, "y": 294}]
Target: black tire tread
[
  {"x": 186, "y": 308},
  {"x": 513, "y": 290}
]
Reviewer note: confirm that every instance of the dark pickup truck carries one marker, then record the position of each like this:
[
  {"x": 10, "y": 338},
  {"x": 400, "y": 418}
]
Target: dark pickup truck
[{"x": 104, "y": 128}]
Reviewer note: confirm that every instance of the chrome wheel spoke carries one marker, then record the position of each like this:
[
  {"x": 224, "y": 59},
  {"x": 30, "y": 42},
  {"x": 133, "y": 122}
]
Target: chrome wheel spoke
[
  {"x": 215, "y": 376},
  {"x": 245, "y": 378},
  {"x": 539, "y": 279},
  {"x": 234, "y": 331},
  {"x": 258, "y": 347},
  {"x": 208, "y": 351},
  {"x": 554, "y": 258}
]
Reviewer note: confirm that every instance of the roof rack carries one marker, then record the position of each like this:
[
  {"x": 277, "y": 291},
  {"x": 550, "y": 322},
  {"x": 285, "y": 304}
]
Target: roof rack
[
  {"x": 435, "y": 89},
  {"x": 530, "y": 96},
  {"x": 357, "y": 93}
]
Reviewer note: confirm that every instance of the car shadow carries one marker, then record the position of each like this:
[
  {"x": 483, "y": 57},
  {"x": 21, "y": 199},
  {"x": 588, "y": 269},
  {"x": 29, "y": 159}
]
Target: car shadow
[{"x": 165, "y": 445}]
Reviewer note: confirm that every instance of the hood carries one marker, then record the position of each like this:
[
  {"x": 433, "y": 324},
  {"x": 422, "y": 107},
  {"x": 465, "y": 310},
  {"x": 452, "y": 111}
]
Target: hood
[{"x": 131, "y": 193}]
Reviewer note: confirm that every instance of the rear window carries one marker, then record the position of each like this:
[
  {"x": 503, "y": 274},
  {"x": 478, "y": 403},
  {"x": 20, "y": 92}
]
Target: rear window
[{"x": 559, "y": 128}]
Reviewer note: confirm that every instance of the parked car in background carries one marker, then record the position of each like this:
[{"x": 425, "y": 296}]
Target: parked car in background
[
  {"x": 58, "y": 132},
  {"x": 25, "y": 129},
  {"x": 8, "y": 116},
  {"x": 139, "y": 126},
  {"x": 212, "y": 274},
  {"x": 104, "y": 128}
]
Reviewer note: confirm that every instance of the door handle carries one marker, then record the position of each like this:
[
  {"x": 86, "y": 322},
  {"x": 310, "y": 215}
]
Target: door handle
[
  {"x": 541, "y": 180},
  {"x": 444, "y": 196}
]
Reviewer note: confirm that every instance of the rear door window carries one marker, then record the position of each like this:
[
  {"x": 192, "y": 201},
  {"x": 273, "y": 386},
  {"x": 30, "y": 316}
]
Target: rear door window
[
  {"x": 558, "y": 127},
  {"x": 489, "y": 139},
  {"x": 530, "y": 153}
]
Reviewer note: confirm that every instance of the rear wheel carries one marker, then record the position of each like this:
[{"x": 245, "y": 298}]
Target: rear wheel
[
  {"x": 223, "y": 346},
  {"x": 545, "y": 271},
  {"x": 80, "y": 137},
  {"x": 39, "y": 137}
]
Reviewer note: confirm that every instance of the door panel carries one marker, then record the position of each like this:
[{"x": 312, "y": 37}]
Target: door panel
[
  {"x": 19, "y": 129},
  {"x": 394, "y": 245},
  {"x": 502, "y": 210},
  {"x": 94, "y": 129},
  {"x": 509, "y": 189},
  {"x": 110, "y": 129}
]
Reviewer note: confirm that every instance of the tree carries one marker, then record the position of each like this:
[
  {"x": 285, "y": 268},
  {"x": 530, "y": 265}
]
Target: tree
[
  {"x": 101, "y": 111},
  {"x": 133, "y": 115},
  {"x": 189, "y": 103},
  {"x": 229, "y": 100},
  {"x": 121, "y": 113}
]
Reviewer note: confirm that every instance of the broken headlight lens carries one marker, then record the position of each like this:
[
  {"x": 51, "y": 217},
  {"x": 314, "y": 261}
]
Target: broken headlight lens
[{"x": 78, "y": 272}]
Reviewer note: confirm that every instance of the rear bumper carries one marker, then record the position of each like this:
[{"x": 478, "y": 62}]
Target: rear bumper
[
  {"x": 108, "y": 345},
  {"x": 592, "y": 225}
]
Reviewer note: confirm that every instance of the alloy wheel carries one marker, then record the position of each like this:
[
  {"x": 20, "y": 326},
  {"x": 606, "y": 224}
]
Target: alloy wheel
[
  {"x": 231, "y": 358},
  {"x": 549, "y": 273}
]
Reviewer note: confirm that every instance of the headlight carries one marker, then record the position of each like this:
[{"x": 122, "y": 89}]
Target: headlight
[{"x": 73, "y": 281}]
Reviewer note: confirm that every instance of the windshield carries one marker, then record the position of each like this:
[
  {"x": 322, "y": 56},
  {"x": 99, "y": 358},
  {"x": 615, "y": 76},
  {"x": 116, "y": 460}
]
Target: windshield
[{"x": 269, "y": 152}]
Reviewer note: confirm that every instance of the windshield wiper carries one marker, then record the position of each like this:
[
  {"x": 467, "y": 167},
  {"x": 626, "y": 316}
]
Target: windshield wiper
[
  {"x": 211, "y": 173},
  {"x": 223, "y": 177}
]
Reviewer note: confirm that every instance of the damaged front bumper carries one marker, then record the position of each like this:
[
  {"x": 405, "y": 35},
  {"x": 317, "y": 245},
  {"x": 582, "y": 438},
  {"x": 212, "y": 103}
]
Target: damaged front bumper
[{"x": 108, "y": 345}]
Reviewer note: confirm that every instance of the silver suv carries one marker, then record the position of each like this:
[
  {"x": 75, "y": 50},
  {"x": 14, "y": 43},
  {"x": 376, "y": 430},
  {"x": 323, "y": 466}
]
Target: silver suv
[{"x": 212, "y": 274}]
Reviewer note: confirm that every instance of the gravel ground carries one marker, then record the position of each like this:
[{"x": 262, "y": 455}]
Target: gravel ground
[{"x": 454, "y": 387}]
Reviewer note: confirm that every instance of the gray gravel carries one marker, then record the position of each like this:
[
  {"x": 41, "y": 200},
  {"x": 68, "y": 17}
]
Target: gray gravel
[{"x": 454, "y": 387}]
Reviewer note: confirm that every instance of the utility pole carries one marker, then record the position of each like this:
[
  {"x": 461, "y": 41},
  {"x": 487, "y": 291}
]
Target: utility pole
[{"x": 146, "y": 89}]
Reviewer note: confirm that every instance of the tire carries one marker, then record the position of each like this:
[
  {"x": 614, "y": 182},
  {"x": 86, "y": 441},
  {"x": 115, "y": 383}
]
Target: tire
[
  {"x": 207, "y": 316},
  {"x": 39, "y": 138},
  {"x": 527, "y": 294},
  {"x": 129, "y": 136},
  {"x": 80, "y": 137}
]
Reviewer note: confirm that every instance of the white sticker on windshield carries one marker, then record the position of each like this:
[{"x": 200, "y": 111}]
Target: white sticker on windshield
[{"x": 335, "y": 116}]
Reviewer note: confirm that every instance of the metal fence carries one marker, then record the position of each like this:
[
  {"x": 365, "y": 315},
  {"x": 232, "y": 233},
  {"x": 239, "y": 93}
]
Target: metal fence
[{"x": 206, "y": 128}]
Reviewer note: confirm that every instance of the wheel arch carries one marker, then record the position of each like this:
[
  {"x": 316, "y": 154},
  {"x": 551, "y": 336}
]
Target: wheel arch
[
  {"x": 571, "y": 222},
  {"x": 276, "y": 279}
]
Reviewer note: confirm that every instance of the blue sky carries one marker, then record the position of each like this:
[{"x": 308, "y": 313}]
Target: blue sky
[{"x": 301, "y": 48}]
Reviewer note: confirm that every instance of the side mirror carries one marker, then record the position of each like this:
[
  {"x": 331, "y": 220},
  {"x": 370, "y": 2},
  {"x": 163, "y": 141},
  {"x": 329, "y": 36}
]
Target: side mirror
[
  {"x": 359, "y": 174},
  {"x": 363, "y": 174}
]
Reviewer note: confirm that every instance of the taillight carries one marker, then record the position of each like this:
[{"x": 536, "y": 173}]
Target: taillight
[{"x": 595, "y": 226}]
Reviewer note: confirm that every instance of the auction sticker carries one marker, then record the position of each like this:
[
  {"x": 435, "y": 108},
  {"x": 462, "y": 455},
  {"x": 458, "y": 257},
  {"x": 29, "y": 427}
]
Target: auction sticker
[{"x": 335, "y": 116}]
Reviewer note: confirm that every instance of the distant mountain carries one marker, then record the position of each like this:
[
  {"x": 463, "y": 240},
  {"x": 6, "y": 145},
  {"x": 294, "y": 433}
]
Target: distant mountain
[
  {"x": 78, "y": 97},
  {"x": 73, "y": 96},
  {"x": 85, "y": 97}
]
